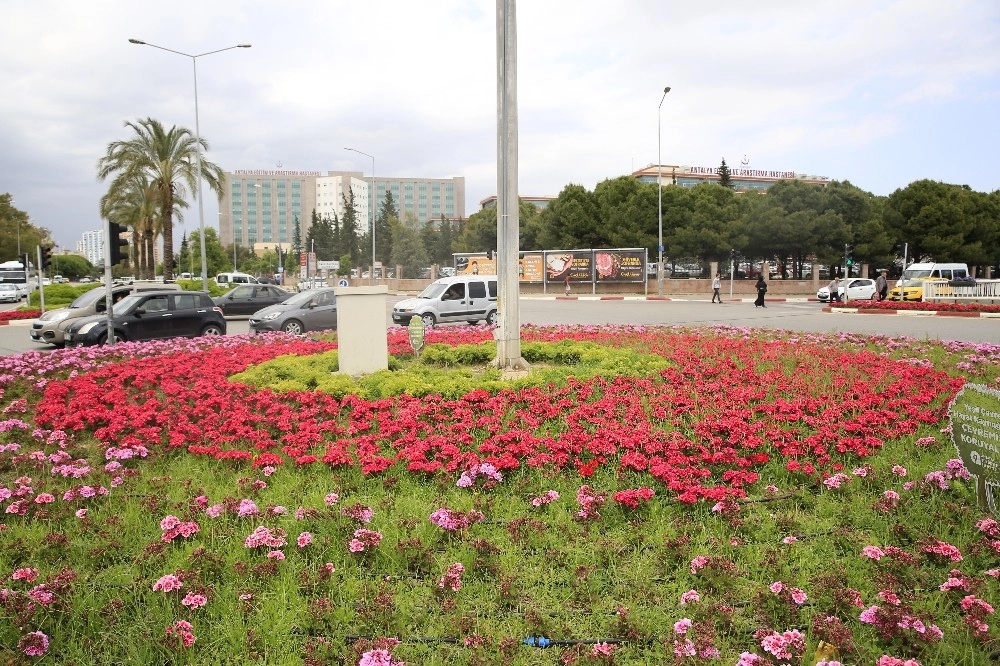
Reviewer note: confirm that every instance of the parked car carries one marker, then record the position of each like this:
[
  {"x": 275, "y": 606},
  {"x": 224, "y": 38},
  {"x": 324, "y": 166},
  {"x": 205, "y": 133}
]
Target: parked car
[
  {"x": 9, "y": 293},
  {"x": 152, "y": 315},
  {"x": 51, "y": 327},
  {"x": 248, "y": 298},
  {"x": 312, "y": 310},
  {"x": 855, "y": 289},
  {"x": 315, "y": 283}
]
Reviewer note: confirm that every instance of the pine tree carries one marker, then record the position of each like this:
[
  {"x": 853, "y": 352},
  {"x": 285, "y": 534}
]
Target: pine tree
[{"x": 724, "y": 178}]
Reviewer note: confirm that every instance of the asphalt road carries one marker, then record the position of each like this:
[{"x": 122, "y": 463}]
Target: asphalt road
[{"x": 791, "y": 315}]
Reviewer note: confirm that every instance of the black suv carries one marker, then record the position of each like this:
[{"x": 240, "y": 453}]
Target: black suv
[{"x": 152, "y": 315}]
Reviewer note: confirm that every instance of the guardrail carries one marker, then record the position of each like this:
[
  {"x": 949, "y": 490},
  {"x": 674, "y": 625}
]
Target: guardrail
[{"x": 983, "y": 291}]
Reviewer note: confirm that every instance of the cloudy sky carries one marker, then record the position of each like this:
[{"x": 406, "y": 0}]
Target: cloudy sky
[{"x": 877, "y": 92}]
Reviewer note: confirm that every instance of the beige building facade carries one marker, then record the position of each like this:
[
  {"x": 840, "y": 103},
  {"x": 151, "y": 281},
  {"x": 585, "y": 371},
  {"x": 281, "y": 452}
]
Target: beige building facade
[{"x": 262, "y": 207}]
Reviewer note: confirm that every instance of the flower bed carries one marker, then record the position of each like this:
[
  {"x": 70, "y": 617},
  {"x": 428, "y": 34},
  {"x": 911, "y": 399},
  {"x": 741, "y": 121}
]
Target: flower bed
[
  {"x": 744, "y": 499},
  {"x": 11, "y": 315},
  {"x": 918, "y": 306}
]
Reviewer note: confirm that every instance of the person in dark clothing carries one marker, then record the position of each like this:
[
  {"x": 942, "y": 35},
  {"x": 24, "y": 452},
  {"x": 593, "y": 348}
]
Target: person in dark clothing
[{"x": 761, "y": 290}]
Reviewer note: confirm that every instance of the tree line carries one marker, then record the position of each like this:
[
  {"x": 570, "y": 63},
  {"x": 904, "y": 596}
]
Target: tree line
[
  {"x": 791, "y": 223},
  {"x": 153, "y": 174}
]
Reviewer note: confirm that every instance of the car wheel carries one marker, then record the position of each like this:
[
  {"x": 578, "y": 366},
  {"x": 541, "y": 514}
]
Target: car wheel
[
  {"x": 212, "y": 329},
  {"x": 294, "y": 327},
  {"x": 472, "y": 322},
  {"x": 492, "y": 318},
  {"x": 102, "y": 339},
  {"x": 428, "y": 320}
]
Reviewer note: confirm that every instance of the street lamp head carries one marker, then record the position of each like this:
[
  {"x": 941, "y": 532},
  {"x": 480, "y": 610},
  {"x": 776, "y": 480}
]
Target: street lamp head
[
  {"x": 243, "y": 46},
  {"x": 136, "y": 41},
  {"x": 666, "y": 90}
]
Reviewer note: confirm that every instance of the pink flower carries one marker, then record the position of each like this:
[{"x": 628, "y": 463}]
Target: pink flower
[
  {"x": 304, "y": 539},
  {"x": 275, "y": 555},
  {"x": 691, "y": 596},
  {"x": 246, "y": 508},
  {"x": 869, "y": 616},
  {"x": 789, "y": 540},
  {"x": 603, "y": 650},
  {"x": 34, "y": 644},
  {"x": 873, "y": 553},
  {"x": 183, "y": 630},
  {"x": 682, "y": 626},
  {"x": 899, "y": 470},
  {"x": 364, "y": 539},
  {"x": 331, "y": 499},
  {"x": 27, "y": 574},
  {"x": 798, "y": 596},
  {"x": 452, "y": 579},
  {"x": 547, "y": 497},
  {"x": 697, "y": 563},
  {"x": 776, "y": 587},
  {"x": 81, "y": 513},
  {"x": 168, "y": 583},
  {"x": 945, "y": 550},
  {"x": 193, "y": 601},
  {"x": 169, "y": 522},
  {"x": 44, "y": 498},
  {"x": 215, "y": 510},
  {"x": 378, "y": 658}
]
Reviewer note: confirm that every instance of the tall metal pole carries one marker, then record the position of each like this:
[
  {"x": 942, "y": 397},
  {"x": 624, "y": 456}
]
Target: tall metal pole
[
  {"x": 659, "y": 197},
  {"x": 372, "y": 205},
  {"x": 508, "y": 334},
  {"x": 197, "y": 138}
]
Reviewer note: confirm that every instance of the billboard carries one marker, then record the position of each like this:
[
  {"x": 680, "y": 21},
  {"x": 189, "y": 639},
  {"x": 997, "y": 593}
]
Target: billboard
[
  {"x": 620, "y": 265},
  {"x": 569, "y": 266}
]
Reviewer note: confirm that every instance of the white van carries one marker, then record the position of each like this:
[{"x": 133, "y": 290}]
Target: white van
[
  {"x": 468, "y": 298},
  {"x": 233, "y": 279},
  {"x": 911, "y": 286}
]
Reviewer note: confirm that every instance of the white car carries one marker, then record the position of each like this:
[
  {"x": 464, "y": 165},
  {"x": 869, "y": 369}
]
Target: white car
[
  {"x": 9, "y": 293},
  {"x": 855, "y": 289}
]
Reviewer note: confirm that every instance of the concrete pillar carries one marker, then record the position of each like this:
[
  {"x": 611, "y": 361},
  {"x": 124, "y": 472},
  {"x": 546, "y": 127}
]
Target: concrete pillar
[{"x": 361, "y": 329}]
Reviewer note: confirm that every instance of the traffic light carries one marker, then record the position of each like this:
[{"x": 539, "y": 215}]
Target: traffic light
[
  {"x": 489, "y": 255},
  {"x": 848, "y": 249},
  {"x": 46, "y": 252},
  {"x": 117, "y": 243}
]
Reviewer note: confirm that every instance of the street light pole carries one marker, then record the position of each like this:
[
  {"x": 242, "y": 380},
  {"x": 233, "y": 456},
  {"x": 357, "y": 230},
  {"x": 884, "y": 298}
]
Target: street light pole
[
  {"x": 374, "y": 198},
  {"x": 197, "y": 138},
  {"x": 659, "y": 197}
]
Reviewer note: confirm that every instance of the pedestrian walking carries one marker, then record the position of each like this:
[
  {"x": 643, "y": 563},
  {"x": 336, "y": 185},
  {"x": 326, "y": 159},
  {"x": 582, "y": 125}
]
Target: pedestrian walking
[
  {"x": 716, "y": 286},
  {"x": 761, "y": 290},
  {"x": 882, "y": 285},
  {"x": 834, "y": 289}
]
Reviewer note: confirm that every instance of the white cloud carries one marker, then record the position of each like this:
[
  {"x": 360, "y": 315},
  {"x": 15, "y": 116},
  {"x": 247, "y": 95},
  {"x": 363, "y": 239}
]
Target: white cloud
[{"x": 840, "y": 89}]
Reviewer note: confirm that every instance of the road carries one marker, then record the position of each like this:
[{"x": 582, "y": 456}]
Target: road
[{"x": 792, "y": 315}]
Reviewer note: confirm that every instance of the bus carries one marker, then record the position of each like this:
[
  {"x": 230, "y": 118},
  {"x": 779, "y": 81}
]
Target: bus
[{"x": 14, "y": 272}]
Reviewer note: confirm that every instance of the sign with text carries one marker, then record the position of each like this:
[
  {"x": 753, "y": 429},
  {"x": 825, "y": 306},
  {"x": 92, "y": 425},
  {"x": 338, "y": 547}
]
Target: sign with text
[
  {"x": 620, "y": 265},
  {"x": 531, "y": 267},
  {"x": 975, "y": 432},
  {"x": 570, "y": 266},
  {"x": 474, "y": 264}
]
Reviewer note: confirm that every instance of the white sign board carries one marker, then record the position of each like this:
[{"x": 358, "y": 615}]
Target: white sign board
[{"x": 328, "y": 265}]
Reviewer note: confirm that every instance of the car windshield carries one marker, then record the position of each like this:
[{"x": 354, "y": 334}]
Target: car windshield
[
  {"x": 433, "y": 290},
  {"x": 128, "y": 303},
  {"x": 916, "y": 274},
  {"x": 89, "y": 298},
  {"x": 300, "y": 299}
]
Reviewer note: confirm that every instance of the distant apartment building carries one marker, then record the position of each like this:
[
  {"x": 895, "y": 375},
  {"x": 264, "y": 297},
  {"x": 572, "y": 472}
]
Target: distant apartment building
[
  {"x": 91, "y": 247},
  {"x": 541, "y": 203},
  {"x": 261, "y": 207},
  {"x": 741, "y": 178}
]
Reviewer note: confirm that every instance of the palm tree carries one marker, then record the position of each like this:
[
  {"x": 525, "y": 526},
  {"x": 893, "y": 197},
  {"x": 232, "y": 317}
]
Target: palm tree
[
  {"x": 134, "y": 203},
  {"x": 168, "y": 159}
]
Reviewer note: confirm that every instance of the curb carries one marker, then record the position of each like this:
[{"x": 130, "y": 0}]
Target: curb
[{"x": 913, "y": 313}]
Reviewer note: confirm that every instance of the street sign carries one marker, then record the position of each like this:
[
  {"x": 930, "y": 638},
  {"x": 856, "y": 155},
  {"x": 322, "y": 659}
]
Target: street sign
[
  {"x": 342, "y": 283},
  {"x": 416, "y": 333},
  {"x": 328, "y": 265}
]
